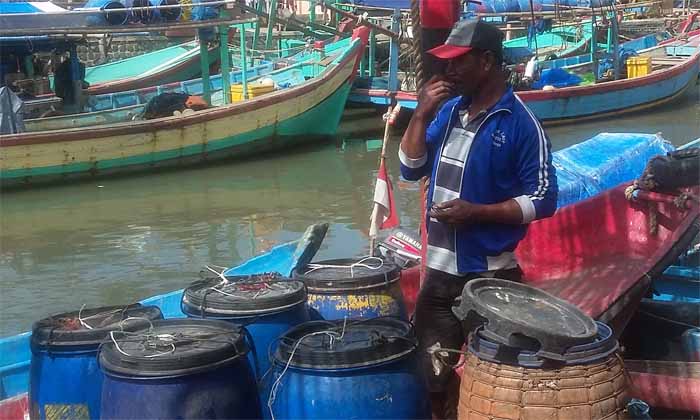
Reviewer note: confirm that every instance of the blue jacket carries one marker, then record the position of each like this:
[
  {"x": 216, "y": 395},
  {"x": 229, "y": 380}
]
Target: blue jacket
[{"x": 510, "y": 158}]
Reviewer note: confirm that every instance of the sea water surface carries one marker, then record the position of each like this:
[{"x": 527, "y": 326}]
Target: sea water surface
[{"x": 119, "y": 240}]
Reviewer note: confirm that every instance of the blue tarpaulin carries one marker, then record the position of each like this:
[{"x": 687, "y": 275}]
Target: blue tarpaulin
[
  {"x": 603, "y": 162},
  {"x": 556, "y": 77}
]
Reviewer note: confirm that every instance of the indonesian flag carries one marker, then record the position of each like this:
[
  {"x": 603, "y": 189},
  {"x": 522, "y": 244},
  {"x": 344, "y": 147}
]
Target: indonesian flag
[{"x": 384, "y": 215}]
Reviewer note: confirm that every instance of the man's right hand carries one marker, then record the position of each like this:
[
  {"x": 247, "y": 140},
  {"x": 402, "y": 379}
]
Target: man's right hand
[{"x": 432, "y": 94}]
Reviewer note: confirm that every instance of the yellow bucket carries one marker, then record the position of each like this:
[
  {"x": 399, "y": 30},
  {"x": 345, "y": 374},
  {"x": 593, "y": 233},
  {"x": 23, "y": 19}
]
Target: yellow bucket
[
  {"x": 638, "y": 66},
  {"x": 255, "y": 89}
]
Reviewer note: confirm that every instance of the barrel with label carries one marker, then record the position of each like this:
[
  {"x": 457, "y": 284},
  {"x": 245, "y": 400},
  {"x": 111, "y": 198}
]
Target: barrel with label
[
  {"x": 353, "y": 288},
  {"x": 361, "y": 369},
  {"x": 179, "y": 368},
  {"x": 65, "y": 380},
  {"x": 266, "y": 305}
]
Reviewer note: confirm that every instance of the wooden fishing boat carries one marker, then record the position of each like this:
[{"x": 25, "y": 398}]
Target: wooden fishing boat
[
  {"x": 601, "y": 254},
  {"x": 675, "y": 68},
  {"x": 15, "y": 354},
  {"x": 561, "y": 41},
  {"x": 310, "y": 109},
  {"x": 117, "y": 107},
  {"x": 662, "y": 363},
  {"x": 172, "y": 64}
]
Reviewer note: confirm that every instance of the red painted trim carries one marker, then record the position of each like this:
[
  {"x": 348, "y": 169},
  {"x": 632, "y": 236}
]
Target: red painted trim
[
  {"x": 176, "y": 122},
  {"x": 540, "y": 95},
  {"x": 666, "y": 391},
  {"x": 612, "y": 85}
]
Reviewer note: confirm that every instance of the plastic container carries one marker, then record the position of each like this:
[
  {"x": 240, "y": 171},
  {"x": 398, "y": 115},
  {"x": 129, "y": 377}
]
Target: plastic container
[
  {"x": 352, "y": 288},
  {"x": 117, "y": 12},
  {"x": 267, "y": 307},
  {"x": 522, "y": 316},
  {"x": 349, "y": 370},
  {"x": 638, "y": 66},
  {"x": 180, "y": 368},
  {"x": 255, "y": 89},
  {"x": 64, "y": 374}
]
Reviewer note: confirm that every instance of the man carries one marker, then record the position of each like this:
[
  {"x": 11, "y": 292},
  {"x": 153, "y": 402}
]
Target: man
[{"x": 491, "y": 174}]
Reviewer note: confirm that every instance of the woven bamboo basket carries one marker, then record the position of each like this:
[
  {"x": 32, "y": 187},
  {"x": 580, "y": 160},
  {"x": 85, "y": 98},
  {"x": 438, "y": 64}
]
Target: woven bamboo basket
[{"x": 491, "y": 391}]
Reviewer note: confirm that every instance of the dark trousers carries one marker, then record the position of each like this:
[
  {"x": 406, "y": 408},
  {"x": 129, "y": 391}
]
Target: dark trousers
[{"x": 435, "y": 322}]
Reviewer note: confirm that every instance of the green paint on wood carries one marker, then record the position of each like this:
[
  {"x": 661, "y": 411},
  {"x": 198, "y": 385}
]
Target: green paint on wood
[{"x": 320, "y": 121}]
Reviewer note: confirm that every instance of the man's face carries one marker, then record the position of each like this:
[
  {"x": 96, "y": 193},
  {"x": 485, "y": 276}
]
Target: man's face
[{"x": 469, "y": 71}]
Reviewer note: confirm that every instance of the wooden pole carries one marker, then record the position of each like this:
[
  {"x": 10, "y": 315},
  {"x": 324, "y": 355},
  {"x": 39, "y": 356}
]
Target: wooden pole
[
  {"x": 372, "y": 53},
  {"x": 272, "y": 14},
  {"x": 204, "y": 65},
  {"x": 256, "y": 34},
  {"x": 225, "y": 63},
  {"x": 375, "y": 206},
  {"x": 244, "y": 66},
  {"x": 394, "y": 54},
  {"x": 76, "y": 80}
]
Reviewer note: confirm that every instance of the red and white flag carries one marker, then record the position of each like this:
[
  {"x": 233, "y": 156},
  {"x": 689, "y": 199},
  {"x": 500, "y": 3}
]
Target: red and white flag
[{"x": 384, "y": 215}]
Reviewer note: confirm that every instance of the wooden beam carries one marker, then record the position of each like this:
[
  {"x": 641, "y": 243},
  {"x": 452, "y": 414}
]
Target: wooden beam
[{"x": 161, "y": 27}]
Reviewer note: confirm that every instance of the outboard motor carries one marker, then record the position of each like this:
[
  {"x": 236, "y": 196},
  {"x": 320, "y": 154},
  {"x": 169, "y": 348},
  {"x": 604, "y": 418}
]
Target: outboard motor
[{"x": 400, "y": 247}]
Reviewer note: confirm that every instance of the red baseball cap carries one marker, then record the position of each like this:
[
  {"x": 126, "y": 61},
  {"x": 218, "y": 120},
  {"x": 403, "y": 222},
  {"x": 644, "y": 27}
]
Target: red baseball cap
[{"x": 469, "y": 34}]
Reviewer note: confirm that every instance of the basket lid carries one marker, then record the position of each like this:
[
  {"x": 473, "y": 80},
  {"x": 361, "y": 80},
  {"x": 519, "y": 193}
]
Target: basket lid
[
  {"x": 348, "y": 274},
  {"x": 89, "y": 327},
  {"x": 173, "y": 347},
  {"x": 242, "y": 296},
  {"x": 523, "y": 316},
  {"x": 346, "y": 343}
]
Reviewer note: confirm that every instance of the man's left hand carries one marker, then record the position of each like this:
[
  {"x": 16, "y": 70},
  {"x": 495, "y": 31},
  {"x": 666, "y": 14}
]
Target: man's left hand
[{"x": 455, "y": 212}]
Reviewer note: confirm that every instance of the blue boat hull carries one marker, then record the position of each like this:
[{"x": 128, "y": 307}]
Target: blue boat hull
[
  {"x": 15, "y": 354},
  {"x": 581, "y": 103}
]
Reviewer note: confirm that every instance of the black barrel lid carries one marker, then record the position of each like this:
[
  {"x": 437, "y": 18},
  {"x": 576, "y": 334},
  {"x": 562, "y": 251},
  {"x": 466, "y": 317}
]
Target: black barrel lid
[
  {"x": 602, "y": 348},
  {"x": 345, "y": 343},
  {"x": 348, "y": 274},
  {"x": 242, "y": 296},
  {"x": 523, "y": 316},
  {"x": 88, "y": 327},
  {"x": 173, "y": 347}
]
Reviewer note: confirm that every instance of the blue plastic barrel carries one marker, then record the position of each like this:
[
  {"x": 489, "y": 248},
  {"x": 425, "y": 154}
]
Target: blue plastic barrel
[
  {"x": 65, "y": 380},
  {"x": 152, "y": 15},
  {"x": 117, "y": 14},
  {"x": 179, "y": 369},
  {"x": 353, "y": 288},
  {"x": 360, "y": 369},
  {"x": 266, "y": 306},
  {"x": 526, "y": 6}
]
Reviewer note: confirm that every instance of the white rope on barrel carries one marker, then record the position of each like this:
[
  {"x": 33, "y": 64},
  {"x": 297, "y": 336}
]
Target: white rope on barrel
[
  {"x": 361, "y": 263},
  {"x": 333, "y": 336}
]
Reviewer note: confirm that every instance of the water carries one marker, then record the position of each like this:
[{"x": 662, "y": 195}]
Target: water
[{"x": 119, "y": 240}]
